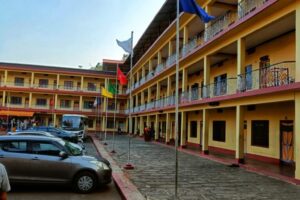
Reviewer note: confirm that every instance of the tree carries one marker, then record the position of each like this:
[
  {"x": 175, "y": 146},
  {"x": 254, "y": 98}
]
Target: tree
[{"x": 98, "y": 66}]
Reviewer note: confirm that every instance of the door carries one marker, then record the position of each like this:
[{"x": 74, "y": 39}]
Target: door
[
  {"x": 248, "y": 77},
  {"x": 14, "y": 156},
  {"x": 47, "y": 165},
  {"x": 286, "y": 141}
]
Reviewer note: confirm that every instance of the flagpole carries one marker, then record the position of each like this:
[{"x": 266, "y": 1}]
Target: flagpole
[
  {"x": 128, "y": 164},
  {"x": 176, "y": 99},
  {"x": 105, "y": 121},
  {"x": 113, "y": 149}
]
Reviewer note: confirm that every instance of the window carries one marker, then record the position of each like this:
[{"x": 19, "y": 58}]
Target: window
[
  {"x": 41, "y": 102},
  {"x": 220, "y": 85},
  {"x": 91, "y": 87},
  {"x": 65, "y": 103},
  {"x": 16, "y": 100},
  {"x": 219, "y": 130},
  {"x": 44, "y": 148},
  {"x": 110, "y": 123},
  {"x": 43, "y": 83},
  {"x": 111, "y": 106},
  {"x": 260, "y": 133},
  {"x": 19, "y": 81},
  {"x": 88, "y": 104},
  {"x": 90, "y": 123},
  {"x": 193, "y": 129},
  {"x": 14, "y": 146},
  {"x": 68, "y": 85}
]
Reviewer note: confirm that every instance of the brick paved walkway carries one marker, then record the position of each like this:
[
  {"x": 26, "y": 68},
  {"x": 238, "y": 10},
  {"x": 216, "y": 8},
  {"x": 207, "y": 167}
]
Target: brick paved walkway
[{"x": 199, "y": 178}]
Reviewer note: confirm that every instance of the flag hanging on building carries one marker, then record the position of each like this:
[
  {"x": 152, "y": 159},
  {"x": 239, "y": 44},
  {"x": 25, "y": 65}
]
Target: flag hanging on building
[
  {"x": 112, "y": 88},
  {"x": 190, "y": 6},
  {"x": 97, "y": 101},
  {"x": 106, "y": 93},
  {"x": 121, "y": 77},
  {"x": 126, "y": 45}
]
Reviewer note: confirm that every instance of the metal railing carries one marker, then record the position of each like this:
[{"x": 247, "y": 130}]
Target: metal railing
[
  {"x": 247, "y": 6},
  {"x": 187, "y": 48},
  {"x": 278, "y": 74},
  {"x": 171, "y": 60},
  {"x": 220, "y": 24}
]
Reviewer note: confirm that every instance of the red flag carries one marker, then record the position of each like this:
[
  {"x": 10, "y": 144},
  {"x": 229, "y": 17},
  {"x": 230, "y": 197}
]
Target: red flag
[{"x": 121, "y": 77}]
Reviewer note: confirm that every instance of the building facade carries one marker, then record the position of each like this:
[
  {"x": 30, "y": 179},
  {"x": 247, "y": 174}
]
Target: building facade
[
  {"x": 43, "y": 94},
  {"x": 239, "y": 80}
]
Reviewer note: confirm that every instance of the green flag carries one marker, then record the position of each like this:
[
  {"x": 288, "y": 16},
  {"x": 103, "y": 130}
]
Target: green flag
[{"x": 112, "y": 88}]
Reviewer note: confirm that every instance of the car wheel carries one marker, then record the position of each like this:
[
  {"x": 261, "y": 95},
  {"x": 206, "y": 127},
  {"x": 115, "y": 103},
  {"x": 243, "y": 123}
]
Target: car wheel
[{"x": 85, "y": 182}]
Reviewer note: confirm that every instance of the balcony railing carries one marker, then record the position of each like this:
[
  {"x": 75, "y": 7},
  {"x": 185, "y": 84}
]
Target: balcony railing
[
  {"x": 247, "y": 6},
  {"x": 220, "y": 24},
  {"x": 171, "y": 60},
  {"x": 189, "y": 47},
  {"x": 278, "y": 74}
]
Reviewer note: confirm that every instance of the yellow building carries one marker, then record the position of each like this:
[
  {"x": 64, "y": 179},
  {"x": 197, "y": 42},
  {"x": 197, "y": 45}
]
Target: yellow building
[
  {"x": 239, "y": 79},
  {"x": 45, "y": 93}
]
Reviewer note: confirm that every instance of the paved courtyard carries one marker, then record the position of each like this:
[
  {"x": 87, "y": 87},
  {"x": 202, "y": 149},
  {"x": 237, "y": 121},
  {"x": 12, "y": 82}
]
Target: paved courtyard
[{"x": 199, "y": 178}]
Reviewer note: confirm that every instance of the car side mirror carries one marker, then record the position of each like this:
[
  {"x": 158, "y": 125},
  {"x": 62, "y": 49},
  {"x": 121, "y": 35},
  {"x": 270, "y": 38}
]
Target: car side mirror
[{"x": 63, "y": 155}]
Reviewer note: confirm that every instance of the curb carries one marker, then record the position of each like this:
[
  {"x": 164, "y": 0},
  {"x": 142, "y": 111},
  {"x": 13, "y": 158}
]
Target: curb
[{"x": 126, "y": 188}]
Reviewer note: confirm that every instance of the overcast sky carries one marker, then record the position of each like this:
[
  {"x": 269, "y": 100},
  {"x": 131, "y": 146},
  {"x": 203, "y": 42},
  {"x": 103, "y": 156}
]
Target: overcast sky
[{"x": 70, "y": 32}]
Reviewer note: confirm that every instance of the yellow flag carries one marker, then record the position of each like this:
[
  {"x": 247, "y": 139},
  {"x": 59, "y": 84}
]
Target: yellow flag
[{"x": 106, "y": 93}]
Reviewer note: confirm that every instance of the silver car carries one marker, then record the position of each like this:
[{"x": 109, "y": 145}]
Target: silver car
[{"x": 39, "y": 159}]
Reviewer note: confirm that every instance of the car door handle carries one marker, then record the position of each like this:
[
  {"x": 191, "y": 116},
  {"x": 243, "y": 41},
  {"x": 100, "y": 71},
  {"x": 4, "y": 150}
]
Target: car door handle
[{"x": 35, "y": 158}]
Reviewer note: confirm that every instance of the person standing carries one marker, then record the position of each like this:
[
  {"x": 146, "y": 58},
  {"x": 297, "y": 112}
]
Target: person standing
[{"x": 4, "y": 183}]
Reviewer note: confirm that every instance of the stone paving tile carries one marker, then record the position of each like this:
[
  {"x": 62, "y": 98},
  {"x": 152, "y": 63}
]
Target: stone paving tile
[{"x": 198, "y": 178}]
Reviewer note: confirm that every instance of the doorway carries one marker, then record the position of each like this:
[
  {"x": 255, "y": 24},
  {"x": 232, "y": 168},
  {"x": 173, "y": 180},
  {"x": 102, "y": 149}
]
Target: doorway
[{"x": 286, "y": 142}]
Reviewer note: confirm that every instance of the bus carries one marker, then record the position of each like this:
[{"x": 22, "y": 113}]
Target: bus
[{"x": 77, "y": 124}]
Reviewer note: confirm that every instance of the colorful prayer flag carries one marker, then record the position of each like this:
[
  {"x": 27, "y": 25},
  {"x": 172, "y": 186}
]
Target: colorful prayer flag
[
  {"x": 121, "y": 77},
  {"x": 106, "y": 93},
  {"x": 190, "y": 6}
]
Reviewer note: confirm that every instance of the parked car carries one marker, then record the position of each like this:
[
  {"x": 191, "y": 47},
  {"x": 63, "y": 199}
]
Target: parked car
[
  {"x": 42, "y": 133},
  {"x": 40, "y": 159},
  {"x": 58, "y": 133},
  {"x": 32, "y": 132}
]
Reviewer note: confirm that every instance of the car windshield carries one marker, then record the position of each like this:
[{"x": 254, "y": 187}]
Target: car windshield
[
  {"x": 72, "y": 123},
  {"x": 74, "y": 149}
]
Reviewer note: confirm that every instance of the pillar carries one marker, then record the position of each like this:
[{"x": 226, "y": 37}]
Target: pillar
[
  {"x": 170, "y": 48},
  {"x": 205, "y": 131},
  {"x": 297, "y": 24},
  {"x": 135, "y": 125},
  {"x": 57, "y": 81},
  {"x": 150, "y": 66},
  {"x": 169, "y": 86},
  {"x": 148, "y": 121},
  {"x": 81, "y": 84},
  {"x": 156, "y": 127},
  {"x": 168, "y": 128},
  {"x": 297, "y": 135},
  {"x": 149, "y": 95},
  {"x": 241, "y": 49},
  {"x": 141, "y": 126},
  {"x": 30, "y": 100},
  {"x": 183, "y": 130},
  {"x": 55, "y": 101},
  {"x": 158, "y": 91},
  {"x": 142, "y": 98},
  {"x": 32, "y": 80},
  {"x": 239, "y": 134},
  {"x": 80, "y": 103},
  {"x": 3, "y": 98},
  {"x": 54, "y": 120},
  {"x": 159, "y": 57},
  {"x": 185, "y": 35},
  {"x": 143, "y": 71},
  {"x": 206, "y": 76}
]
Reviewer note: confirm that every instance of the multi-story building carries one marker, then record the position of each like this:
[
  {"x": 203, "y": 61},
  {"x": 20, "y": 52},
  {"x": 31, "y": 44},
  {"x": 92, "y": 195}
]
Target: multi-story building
[
  {"x": 45, "y": 93},
  {"x": 239, "y": 79}
]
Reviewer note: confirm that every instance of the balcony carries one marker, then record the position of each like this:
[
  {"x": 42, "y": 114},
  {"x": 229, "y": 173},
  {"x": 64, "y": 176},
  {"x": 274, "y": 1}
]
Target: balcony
[
  {"x": 187, "y": 48},
  {"x": 220, "y": 24},
  {"x": 247, "y": 6},
  {"x": 275, "y": 75}
]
